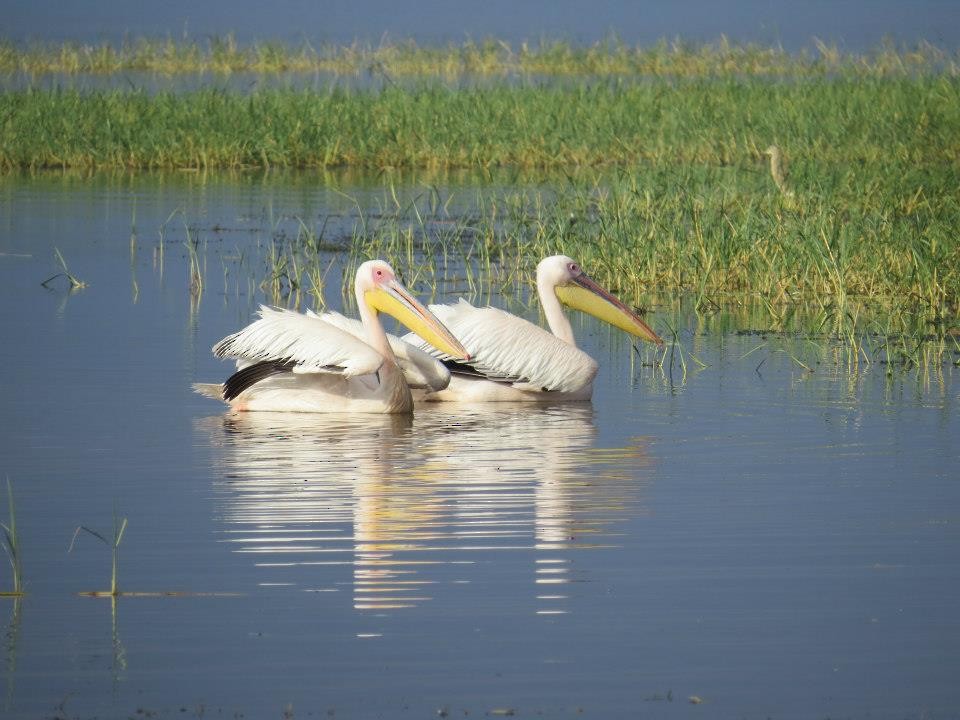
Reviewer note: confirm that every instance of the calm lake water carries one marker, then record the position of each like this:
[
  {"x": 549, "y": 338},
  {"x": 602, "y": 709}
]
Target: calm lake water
[
  {"x": 745, "y": 540},
  {"x": 854, "y": 25}
]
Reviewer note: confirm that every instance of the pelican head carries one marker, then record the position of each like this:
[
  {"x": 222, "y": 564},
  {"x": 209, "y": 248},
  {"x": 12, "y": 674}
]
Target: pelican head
[
  {"x": 574, "y": 288},
  {"x": 378, "y": 289}
]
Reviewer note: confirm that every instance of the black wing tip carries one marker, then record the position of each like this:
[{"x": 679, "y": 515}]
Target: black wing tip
[
  {"x": 222, "y": 348},
  {"x": 252, "y": 374},
  {"x": 469, "y": 370}
]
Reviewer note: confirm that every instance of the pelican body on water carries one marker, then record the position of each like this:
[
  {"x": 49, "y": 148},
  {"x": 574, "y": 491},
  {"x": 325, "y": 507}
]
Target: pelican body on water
[
  {"x": 294, "y": 362},
  {"x": 512, "y": 359}
]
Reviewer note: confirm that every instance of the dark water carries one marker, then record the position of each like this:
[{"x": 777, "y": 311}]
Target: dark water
[
  {"x": 772, "y": 542},
  {"x": 853, "y": 24}
]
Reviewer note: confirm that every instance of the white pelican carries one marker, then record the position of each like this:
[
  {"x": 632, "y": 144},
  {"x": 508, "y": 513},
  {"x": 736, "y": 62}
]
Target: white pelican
[
  {"x": 293, "y": 362},
  {"x": 513, "y": 359}
]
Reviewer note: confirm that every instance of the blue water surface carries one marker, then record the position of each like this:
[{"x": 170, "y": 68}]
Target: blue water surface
[
  {"x": 743, "y": 539},
  {"x": 855, "y": 25}
]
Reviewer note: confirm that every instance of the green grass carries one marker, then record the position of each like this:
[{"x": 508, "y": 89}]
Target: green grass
[
  {"x": 875, "y": 268},
  {"x": 119, "y": 526},
  {"x": 713, "y": 232},
  {"x": 904, "y": 123},
  {"x": 490, "y": 57},
  {"x": 11, "y": 546}
]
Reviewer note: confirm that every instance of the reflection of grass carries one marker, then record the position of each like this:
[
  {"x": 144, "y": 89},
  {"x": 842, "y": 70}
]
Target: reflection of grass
[
  {"x": 12, "y": 639},
  {"x": 11, "y": 545},
  {"x": 488, "y": 58}
]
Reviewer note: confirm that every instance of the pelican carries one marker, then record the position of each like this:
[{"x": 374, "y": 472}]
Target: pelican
[
  {"x": 293, "y": 362},
  {"x": 513, "y": 359}
]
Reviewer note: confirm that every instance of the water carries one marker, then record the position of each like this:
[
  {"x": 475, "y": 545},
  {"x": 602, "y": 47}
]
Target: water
[
  {"x": 772, "y": 542},
  {"x": 854, "y": 25}
]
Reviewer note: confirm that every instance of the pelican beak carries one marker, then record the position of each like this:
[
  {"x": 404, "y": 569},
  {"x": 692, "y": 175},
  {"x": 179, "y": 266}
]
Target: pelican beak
[
  {"x": 584, "y": 294},
  {"x": 394, "y": 299}
]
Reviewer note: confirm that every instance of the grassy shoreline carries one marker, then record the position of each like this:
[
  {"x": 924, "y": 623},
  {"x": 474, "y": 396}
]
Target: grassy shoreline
[
  {"x": 913, "y": 122},
  {"x": 489, "y": 57},
  {"x": 660, "y": 183}
]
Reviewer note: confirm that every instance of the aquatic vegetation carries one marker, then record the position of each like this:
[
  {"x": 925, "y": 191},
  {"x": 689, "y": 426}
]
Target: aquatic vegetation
[
  {"x": 907, "y": 121},
  {"x": 714, "y": 233},
  {"x": 647, "y": 164},
  {"x": 491, "y": 57},
  {"x": 11, "y": 545},
  {"x": 119, "y": 525},
  {"x": 873, "y": 260},
  {"x": 75, "y": 283}
]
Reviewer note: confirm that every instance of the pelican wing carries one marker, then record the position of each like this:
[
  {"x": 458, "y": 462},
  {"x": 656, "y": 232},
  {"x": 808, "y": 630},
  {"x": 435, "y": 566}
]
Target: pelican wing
[
  {"x": 420, "y": 369},
  {"x": 308, "y": 343},
  {"x": 506, "y": 348}
]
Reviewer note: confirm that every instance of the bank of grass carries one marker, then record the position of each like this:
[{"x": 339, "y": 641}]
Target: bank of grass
[
  {"x": 657, "y": 185},
  {"x": 910, "y": 121},
  {"x": 491, "y": 57}
]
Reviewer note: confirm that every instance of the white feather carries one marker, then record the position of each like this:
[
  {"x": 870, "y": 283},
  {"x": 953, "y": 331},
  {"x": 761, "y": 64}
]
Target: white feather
[
  {"x": 507, "y": 348},
  {"x": 314, "y": 345},
  {"x": 421, "y": 370}
]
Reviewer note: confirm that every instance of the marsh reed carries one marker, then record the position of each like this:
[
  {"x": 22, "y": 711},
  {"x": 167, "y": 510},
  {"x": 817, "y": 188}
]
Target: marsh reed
[
  {"x": 119, "y": 526},
  {"x": 11, "y": 546},
  {"x": 489, "y": 57},
  {"x": 907, "y": 124},
  {"x": 878, "y": 270}
]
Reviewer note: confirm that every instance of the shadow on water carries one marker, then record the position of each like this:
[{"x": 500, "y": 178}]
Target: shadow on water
[{"x": 409, "y": 503}]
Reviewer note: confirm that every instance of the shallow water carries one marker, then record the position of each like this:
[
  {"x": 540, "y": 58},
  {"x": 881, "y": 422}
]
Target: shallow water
[{"x": 772, "y": 542}]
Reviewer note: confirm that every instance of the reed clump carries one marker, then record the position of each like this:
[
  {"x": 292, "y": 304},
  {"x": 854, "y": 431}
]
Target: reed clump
[{"x": 873, "y": 264}]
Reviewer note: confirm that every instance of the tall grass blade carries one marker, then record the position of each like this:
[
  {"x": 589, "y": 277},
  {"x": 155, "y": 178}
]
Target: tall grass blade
[
  {"x": 119, "y": 526},
  {"x": 11, "y": 543}
]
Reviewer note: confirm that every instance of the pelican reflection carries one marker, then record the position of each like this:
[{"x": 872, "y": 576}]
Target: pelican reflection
[{"x": 397, "y": 506}]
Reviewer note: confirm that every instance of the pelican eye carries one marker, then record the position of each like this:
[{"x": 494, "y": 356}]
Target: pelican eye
[{"x": 574, "y": 268}]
